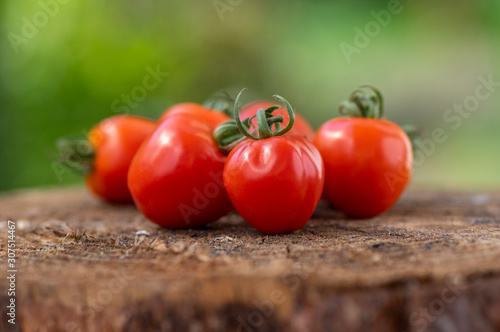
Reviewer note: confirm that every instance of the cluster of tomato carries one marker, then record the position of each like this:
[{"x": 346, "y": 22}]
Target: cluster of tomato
[{"x": 196, "y": 164}]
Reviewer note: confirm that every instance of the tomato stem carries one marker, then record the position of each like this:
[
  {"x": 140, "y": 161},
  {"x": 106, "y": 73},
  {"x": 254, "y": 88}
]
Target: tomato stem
[
  {"x": 230, "y": 133},
  {"x": 291, "y": 116},
  {"x": 263, "y": 128},
  {"x": 237, "y": 120},
  {"x": 363, "y": 103},
  {"x": 265, "y": 119},
  {"x": 379, "y": 100}
]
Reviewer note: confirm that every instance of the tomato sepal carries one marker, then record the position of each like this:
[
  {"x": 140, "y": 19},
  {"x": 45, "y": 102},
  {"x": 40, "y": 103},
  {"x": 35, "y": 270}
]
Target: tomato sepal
[
  {"x": 232, "y": 132},
  {"x": 76, "y": 154},
  {"x": 223, "y": 103}
]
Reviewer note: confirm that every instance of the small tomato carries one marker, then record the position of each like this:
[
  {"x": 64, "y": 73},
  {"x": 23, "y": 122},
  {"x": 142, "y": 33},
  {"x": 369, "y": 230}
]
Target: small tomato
[
  {"x": 274, "y": 180},
  {"x": 367, "y": 158},
  {"x": 104, "y": 157},
  {"x": 176, "y": 176}
]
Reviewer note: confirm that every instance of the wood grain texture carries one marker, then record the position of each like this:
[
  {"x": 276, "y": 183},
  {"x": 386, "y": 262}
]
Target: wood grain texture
[{"x": 432, "y": 263}]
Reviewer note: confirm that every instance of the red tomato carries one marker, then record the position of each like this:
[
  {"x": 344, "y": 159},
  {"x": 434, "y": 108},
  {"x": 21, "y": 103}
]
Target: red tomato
[
  {"x": 274, "y": 180},
  {"x": 115, "y": 141},
  {"x": 212, "y": 117},
  {"x": 275, "y": 183},
  {"x": 367, "y": 164},
  {"x": 176, "y": 176},
  {"x": 301, "y": 127}
]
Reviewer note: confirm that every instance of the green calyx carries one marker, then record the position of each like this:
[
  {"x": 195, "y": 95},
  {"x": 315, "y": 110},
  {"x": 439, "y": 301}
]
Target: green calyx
[
  {"x": 365, "y": 102},
  {"x": 231, "y": 133},
  {"x": 76, "y": 154},
  {"x": 227, "y": 135},
  {"x": 222, "y": 103},
  {"x": 413, "y": 132},
  {"x": 265, "y": 120}
]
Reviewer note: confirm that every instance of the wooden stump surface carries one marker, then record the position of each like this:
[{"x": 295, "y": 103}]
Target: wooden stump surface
[{"x": 432, "y": 263}]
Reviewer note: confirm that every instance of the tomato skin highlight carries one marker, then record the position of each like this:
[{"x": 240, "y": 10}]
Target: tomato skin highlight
[
  {"x": 176, "y": 176},
  {"x": 367, "y": 164},
  {"x": 275, "y": 183},
  {"x": 212, "y": 117},
  {"x": 301, "y": 127},
  {"x": 115, "y": 140}
]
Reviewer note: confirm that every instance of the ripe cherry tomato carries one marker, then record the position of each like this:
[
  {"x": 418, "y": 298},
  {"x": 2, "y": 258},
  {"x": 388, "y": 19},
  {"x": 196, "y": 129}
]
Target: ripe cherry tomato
[
  {"x": 176, "y": 176},
  {"x": 301, "y": 127},
  {"x": 274, "y": 180},
  {"x": 212, "y": 117},
  {"x": 105, "y": 155},
  {"x": 116, "y": 140},
  {"x": 367, "y": 158}
]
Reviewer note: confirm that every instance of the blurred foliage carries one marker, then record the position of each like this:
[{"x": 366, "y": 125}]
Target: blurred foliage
[{"x": 67, "y": 75}]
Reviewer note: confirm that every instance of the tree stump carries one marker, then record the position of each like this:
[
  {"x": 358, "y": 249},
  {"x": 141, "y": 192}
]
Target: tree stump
[{"x": 432, "y": 263}]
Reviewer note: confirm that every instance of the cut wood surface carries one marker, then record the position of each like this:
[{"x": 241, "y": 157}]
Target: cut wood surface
[{"x": 431, "y": 263}]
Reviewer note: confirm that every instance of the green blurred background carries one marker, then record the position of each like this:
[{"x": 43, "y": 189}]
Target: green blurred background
[{"x": 62, "y": 75}]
